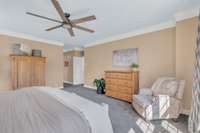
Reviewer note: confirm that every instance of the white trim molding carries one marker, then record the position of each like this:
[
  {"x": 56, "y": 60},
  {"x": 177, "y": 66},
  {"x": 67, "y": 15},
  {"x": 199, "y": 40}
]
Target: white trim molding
[
  {"x": 72, "y": 83},
  {"x": 179, "y": 16},
  {"x": 74, "y": 49},
  {"x": 187, "y": 14},
  {"x": 150, "y": 29},
  {"x": 68, "y": 82},
  {"x": 185, "y": 111},
  {"x": 29, "y": 37},
  {"x": 90, "y": 87},
  {"x": 61, "y": 87}
]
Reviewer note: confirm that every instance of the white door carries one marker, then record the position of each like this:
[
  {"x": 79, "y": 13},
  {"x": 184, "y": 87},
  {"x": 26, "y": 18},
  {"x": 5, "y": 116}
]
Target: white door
[{"x": 78, "y": 70}]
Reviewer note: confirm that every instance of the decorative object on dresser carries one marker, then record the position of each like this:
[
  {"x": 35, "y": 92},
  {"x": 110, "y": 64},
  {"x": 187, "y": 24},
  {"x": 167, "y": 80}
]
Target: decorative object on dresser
[
  {"x": 27, "y": 71},
  {"x": 36, "y": 52},
  {"x": 135, "y": 67},
  {"x": 122, "y": 84},
  {"x": 20, "y": 49}
]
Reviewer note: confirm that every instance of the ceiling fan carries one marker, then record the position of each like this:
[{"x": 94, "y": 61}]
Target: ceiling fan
[{"x": 66, "y": 22}]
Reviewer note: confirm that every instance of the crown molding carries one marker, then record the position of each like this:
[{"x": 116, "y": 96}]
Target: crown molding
[
  {"x": 190, "y": 13},
  {"x": 179, "y": 16},
  {"x": 29, "y": 37},
  {"x": 150, "y": 29},
  {"x": 74, "y": 49}
]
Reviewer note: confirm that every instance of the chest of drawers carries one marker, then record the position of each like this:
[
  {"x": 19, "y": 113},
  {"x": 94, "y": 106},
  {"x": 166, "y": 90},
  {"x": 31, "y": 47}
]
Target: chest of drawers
[{"x": 122, "y": 84}]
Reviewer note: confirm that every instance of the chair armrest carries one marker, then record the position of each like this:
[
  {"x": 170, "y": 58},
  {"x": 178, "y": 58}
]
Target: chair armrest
[
  {"x": 164, "y": 98},
  {"x": 167, "y": 105},
  {"x": 146, "y": 92}
]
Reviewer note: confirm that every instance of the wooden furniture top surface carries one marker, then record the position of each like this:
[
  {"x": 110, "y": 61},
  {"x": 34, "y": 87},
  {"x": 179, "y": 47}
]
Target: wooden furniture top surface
[
  {"x": 12, "y": 55},
  {"x": 120, "y": 71}
]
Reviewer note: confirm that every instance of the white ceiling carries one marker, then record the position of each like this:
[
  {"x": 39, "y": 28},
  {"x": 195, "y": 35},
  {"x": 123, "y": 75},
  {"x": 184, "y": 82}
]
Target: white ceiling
[{"x": 114, "y": 17}]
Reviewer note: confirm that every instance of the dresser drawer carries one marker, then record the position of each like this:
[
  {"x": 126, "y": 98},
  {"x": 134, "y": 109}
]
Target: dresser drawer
[
  {"x": 126, "y": 83},
  {"x": 127, "y": 76},
  {"x": 119, "y": 89},
  {"x": 122, "y": 96}
]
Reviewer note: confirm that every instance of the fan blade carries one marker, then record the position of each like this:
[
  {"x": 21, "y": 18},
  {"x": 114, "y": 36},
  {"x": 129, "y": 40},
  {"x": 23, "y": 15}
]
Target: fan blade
[
  {"x": 60, "y": 11},
  {"x": 36, "y": 15},
  {"x": 84, "y": 19},
  {"x": 71, "y": 32},
  {"x": 62, "y": 15},
  {"x": 69, "y": 28},
  {"x": 55, "y": 27},
  {"x": 83, "y": 28}
]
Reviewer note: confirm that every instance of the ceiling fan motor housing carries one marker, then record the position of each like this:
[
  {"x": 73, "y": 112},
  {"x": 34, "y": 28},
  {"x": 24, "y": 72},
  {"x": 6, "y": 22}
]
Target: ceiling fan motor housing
[{"x": 67, "y": 15}]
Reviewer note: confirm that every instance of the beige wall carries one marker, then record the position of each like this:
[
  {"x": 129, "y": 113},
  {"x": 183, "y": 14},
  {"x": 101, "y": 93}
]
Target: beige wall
[
  {"x": 169, "y": 52},
  {"x": 156, "y": 56},
  {"x": 73, "y": 53},
  {"x": 186, "y": 33},
  {"x": 54, "y": 62},
  {"x": 68, "y": 71}
]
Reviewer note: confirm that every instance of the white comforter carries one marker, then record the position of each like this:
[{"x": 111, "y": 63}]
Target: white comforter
[{"x": 49, "y": 110}]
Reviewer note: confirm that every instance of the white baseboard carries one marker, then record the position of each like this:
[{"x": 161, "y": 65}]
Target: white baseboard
[
  {"x": 68, "y": 82},
  {"x": 90, "y": 87},
  {"x": 185, "y": 112},
  {"x": 56, "y": 87},
  {"x": 77, "y": 83},
  {"x": 61, "y": 87}
]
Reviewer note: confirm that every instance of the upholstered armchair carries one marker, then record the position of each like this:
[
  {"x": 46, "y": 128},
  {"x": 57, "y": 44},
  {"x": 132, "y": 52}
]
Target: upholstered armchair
[{"x": 161, "y": 101}]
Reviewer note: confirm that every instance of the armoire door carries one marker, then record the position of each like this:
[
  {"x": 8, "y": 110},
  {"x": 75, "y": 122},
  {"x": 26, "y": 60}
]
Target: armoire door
[
  {"x": 23, "y": 71},
  {"x": 14, "y": 71},
  {"x": 38, "y": 71}
]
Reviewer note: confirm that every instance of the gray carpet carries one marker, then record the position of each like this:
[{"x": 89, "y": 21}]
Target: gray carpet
[{"x": 125, "y": 120}]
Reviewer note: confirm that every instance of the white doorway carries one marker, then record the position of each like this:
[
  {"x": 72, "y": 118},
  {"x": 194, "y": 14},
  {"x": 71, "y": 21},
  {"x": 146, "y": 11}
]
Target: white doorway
[{"x": 78, "y": 70}]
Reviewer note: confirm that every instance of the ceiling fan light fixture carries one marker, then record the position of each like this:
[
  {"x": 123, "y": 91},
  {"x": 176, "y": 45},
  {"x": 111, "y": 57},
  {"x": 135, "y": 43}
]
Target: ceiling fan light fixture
[{"x": 66, "y": 22}]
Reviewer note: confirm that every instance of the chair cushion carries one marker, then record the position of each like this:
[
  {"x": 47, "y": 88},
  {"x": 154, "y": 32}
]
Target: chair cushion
[
  {"x": 146, "y": 92},
  {"x": 159, "y": 81},
  {"x": 166, "y": 87},
  {"x": 142, "y": 100}
]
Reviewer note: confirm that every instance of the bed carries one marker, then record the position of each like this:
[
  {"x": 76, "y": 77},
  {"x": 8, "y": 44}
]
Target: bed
[{"x": 50, "y": 110}]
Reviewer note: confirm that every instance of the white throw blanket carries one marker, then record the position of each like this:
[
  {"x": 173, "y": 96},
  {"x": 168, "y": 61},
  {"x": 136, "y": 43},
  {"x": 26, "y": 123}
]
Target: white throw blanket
[{"x": 97, "y": 115}]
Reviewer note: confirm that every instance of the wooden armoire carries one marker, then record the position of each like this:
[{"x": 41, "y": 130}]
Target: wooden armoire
[{"x": 27, "y": 71}]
